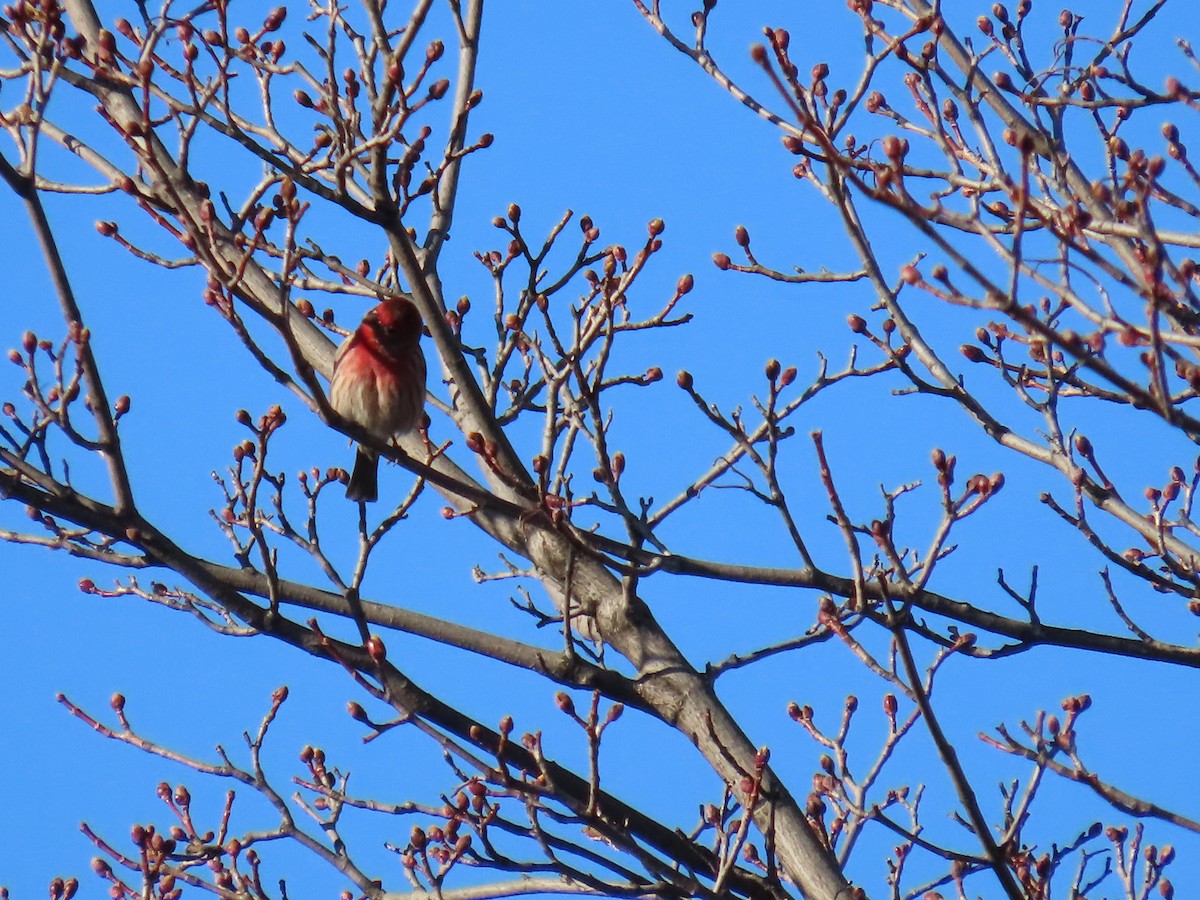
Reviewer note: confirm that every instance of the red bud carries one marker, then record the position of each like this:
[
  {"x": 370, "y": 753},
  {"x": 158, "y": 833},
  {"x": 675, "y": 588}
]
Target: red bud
[{"x": 376, "y": 649}]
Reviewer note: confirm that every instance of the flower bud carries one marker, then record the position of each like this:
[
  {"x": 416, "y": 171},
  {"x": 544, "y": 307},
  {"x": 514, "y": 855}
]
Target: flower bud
[
  {"x": 376, "y": 649},
  {"x": 972, "y": 353}
]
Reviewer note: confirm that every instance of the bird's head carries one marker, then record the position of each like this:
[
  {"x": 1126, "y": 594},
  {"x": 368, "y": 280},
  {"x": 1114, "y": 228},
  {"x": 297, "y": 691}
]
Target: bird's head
[{"x": 395, "y": 322}]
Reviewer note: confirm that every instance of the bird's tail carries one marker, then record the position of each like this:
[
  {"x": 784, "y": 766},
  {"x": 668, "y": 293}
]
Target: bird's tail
[{"x": 364, "y": 480}]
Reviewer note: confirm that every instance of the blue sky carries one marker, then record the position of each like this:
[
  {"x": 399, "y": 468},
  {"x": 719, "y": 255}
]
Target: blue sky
[{"x": 592, "y": 112}]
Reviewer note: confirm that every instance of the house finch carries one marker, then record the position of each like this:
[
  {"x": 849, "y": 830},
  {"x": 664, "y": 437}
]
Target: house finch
[{"x": 379, "y": 383}]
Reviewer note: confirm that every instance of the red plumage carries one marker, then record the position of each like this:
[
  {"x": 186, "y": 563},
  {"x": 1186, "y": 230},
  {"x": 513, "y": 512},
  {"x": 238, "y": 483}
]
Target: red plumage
[{"x": 379, "y": 383}]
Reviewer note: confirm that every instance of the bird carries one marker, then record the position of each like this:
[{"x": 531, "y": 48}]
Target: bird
[{"x": 378, "y": 384}]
